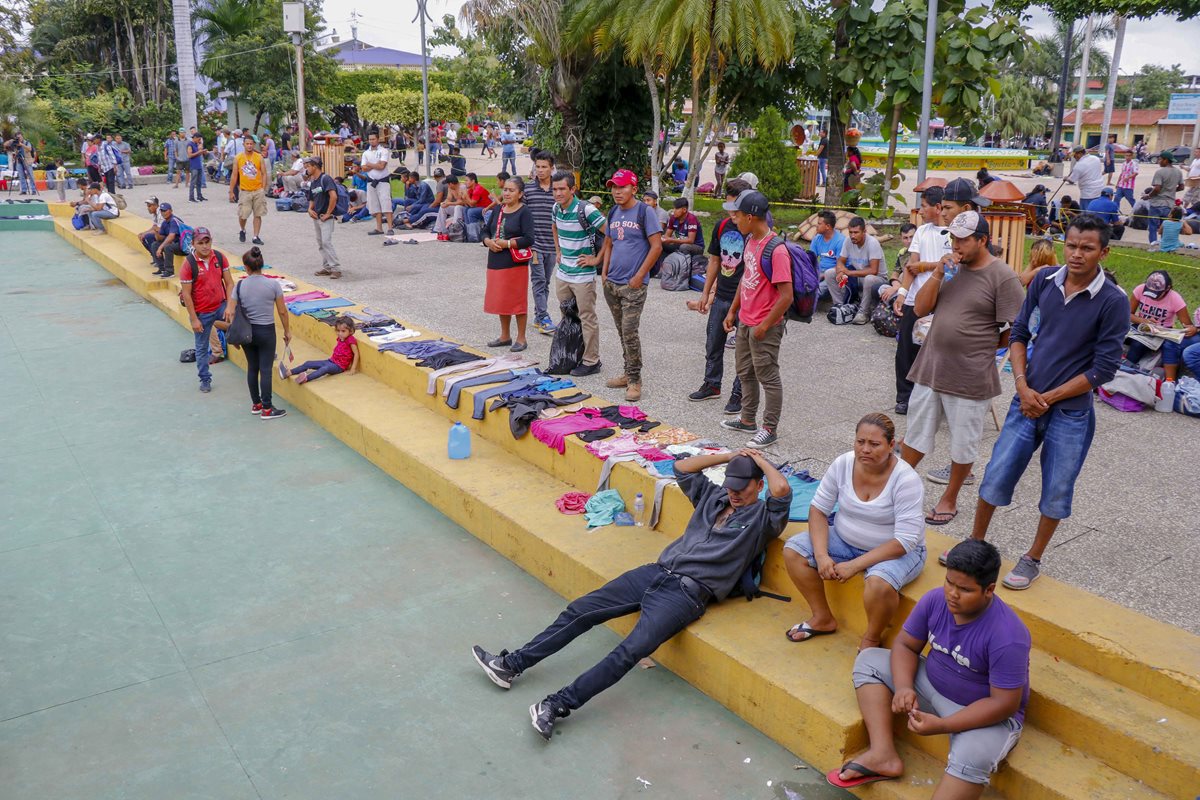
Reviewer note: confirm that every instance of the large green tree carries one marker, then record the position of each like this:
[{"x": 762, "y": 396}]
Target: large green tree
[
  {"x": 474, "y": 71},
  {"x": 1151, "y": 87}
]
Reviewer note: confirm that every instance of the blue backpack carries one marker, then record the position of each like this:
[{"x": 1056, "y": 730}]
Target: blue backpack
[
  {"x": 186, "y": 232},
  {"x": 343, "y": 200},
  {"x": 806, "y": 278}
]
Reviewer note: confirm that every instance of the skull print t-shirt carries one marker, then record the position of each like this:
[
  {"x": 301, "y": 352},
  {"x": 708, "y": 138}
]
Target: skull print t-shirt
[{"x": 727, "y": 244}]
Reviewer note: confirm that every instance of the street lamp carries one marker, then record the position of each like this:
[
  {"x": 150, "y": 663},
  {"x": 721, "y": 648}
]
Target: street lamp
[{"x": 1129, "y": 113}]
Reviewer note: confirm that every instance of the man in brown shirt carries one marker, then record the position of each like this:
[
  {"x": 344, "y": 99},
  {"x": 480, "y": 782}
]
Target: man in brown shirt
[{"x": 955, "y": 374}]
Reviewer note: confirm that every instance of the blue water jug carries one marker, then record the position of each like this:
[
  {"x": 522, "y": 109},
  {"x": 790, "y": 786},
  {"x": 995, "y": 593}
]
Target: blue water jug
[{"x": 460, "y": 441}]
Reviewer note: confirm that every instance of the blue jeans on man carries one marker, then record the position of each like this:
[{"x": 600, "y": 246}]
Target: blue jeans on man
[
  {"x": 1064, "y": 436},
  {"x": 1154, "y": 219},
  {"x": 203, "y": 351},
  {"x": 196, "y": 184},
  {"x": 25, "y": 173},
  {"x": 714, "y": 348},
  {"x": 170, "y": 169},
  {"x": 474, "y": 215},
  {"x": 508, "y": 163},
  {"x": 96, "y": 218},
  {"x": 821, "y": 165},
  {"x": 1127, "y": 194}
]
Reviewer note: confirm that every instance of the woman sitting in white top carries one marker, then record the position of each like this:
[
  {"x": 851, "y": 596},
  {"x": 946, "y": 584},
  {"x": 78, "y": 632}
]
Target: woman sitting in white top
[{"x": 879, "y": 530}]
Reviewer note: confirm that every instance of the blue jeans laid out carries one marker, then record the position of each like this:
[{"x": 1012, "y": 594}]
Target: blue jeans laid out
[
  {"x": 203, "y": 351},
  {"x": 1126, "y": 194},
  {"x": 318, "y": 369},
  {"x": 897, "y": 572},
  {"x": 1154, "y": 218},
  {"x": 1064, "y": 435},
  {"x": 666, "y": 606},
  {"x": 1191, "y": 355},
  {"x": 714, "y": 347},
  {"x": 96, "y": 218}
]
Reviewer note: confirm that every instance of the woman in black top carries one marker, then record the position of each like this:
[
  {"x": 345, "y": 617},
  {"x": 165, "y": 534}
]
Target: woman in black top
[{"x": 507, "y": 294}]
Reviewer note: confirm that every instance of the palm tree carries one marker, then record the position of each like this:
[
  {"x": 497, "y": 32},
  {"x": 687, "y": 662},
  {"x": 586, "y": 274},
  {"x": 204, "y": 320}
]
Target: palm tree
[
  {"x": 222, "y": 20},
  {"x": 708, "y": 34},
  {"x": 19, "y": 112}
]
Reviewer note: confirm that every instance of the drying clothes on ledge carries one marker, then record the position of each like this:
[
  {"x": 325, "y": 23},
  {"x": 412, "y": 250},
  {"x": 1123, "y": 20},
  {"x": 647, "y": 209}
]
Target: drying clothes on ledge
[
  {"x": 551, "y": 413},
  {"x": 393, "y": 336},
  {"x": 597, "y": 435},
  {"x": 572, "y": 502},
  {"x": 512, "y": 388},
  {"x": 622, "y": 416},
  {"x": 318, "y": 305},
  {"x": 450, "y": 358},
  {"x": 419, "y": 350},
  {"x": 666, "y": 436},
  {"x": 525, "y": 409},
  {"x": 300, "y": 298},
  {"x": 373, "y": 320},
  {"x": 804, "y": 488},
  {"x": 489, "y": 379},
  {"x": 501, "y": 364},
  {"x": 603, "y": 507},
  {"x": 452, "y": 368},
  {"x": 554, "y": 432},
  {"x": 627, "y": 443}
]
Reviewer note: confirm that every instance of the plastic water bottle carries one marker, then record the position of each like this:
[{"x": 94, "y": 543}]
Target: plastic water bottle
[
  {"x": 1167, "y": 401},
  {"x": 460, "y": 441},
  {"x": 639, "y": 510}
]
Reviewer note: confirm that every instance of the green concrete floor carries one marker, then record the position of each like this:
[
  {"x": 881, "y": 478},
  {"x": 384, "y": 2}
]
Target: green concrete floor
[{"x": 197, "y": 604}]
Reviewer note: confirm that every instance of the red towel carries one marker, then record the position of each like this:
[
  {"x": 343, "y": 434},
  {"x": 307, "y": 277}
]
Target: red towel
[{"x": 572, "y": 502}]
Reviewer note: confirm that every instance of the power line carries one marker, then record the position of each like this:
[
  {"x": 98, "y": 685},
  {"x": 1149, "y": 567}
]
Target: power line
[{"x": 159, "y": 66}]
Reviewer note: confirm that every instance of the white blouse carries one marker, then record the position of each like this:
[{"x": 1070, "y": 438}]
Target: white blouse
[{"x": 897, "y": 513}]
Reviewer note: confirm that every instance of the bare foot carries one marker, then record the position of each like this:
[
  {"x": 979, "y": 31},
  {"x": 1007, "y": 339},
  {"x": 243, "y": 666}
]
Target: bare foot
[
  {"x": 864, "y": 643},
  {"x": 889, "y": 765}
]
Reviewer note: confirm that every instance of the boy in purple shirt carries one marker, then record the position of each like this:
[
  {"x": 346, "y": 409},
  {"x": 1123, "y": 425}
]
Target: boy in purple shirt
[{"x": 973, "y": 685}]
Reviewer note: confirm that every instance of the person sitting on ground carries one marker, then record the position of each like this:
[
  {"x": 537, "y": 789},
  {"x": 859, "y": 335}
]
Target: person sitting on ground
[
  {"x": 890, "y": 292},
  {"x": 450, "y": 208},
  {"x": 973, "y": 685},
  {"x": 827, "y": 243},
  {"x": 683, "y": 233},
  {"x": 1104, "y": 208},
  {"x": 418, "y": 200},
  {"x": 1156, "y": 303},
  {"x": 860, "y": 263},
  {"x": 650, "y": 198},
  {"x": 1170, "y": 230},
  {"x": 1041, "y": 254},
  {"x": 729, "y": 529},
  {"x": 879, "y": 531},
  {"x": 1067, "y": 210},
  {"x": 983, "y": 177},
  {"x": 356, "y": 209},
  {"x": 294, "y": 176},
  {"x": 344, "y": 358}
]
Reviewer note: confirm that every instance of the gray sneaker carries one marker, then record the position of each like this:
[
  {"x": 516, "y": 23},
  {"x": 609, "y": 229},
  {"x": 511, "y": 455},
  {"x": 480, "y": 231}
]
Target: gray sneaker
[
  {"x": 942, "y": 476},
  {"x": 1023, "y": 574},
  {"x": 764, "y": 438}
]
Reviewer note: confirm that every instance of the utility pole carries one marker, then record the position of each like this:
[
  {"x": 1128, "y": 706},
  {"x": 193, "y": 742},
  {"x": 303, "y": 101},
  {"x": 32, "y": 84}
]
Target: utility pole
[
  {"x": 293, "y": 23},
  {"x": 422, "y": 15},
  {"x": 1083, "y": 81},
  {"x": 927, "y": 89},
  {"x": 1064, "y": 78},
  {"x": 185, "y": 61}
]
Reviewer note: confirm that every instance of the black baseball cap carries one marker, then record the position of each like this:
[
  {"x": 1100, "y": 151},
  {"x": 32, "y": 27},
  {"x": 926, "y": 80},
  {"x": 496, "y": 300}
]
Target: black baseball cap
[
  {"x": 961, "y": 190},
  {"x": 749, "y": 202},
  {"x": 740, "y": 471}
]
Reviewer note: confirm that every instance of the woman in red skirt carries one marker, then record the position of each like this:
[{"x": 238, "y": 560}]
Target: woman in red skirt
[{"x": 509, "y": 237}]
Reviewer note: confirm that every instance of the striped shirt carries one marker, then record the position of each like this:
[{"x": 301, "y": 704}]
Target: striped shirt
[
  {"x": 1129, "y": 174},
  {"x": 541, "y": 206},
  {"x": 574, "y": 242}
]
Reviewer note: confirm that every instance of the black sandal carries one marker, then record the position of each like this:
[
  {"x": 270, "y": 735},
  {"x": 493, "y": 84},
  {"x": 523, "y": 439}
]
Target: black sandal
[{"x": 500, "y": 343}]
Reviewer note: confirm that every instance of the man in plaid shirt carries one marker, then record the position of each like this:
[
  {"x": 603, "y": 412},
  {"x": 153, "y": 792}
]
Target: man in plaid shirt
[{"x": 107, "y": 154}]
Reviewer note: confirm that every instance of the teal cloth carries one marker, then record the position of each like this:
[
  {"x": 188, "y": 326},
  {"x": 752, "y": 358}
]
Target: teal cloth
[
  {"x": 602, "y": 507},
  {"x": 803, "y": 492},
  {"x": 314, "y": 305}
]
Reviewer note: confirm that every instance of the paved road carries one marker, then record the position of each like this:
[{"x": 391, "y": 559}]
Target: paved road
[{"x": 1132, "y": 538}]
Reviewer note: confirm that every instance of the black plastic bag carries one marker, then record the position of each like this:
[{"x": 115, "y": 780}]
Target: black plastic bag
[{"x": 566, "y": 350}]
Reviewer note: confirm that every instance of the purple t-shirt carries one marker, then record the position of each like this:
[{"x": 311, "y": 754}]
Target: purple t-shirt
[{"x": 964, "y": 661}]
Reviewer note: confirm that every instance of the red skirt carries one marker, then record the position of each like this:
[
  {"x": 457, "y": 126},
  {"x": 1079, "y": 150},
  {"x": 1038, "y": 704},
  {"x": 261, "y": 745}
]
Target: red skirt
[{"x": 507, "y": 291}]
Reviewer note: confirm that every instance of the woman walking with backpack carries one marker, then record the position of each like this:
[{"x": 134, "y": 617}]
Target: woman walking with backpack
[{"x": 259, "y": 298}]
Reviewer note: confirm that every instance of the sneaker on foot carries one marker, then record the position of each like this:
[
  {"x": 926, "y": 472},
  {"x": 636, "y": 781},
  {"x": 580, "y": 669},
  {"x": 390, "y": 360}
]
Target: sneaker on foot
[
  {"x": 273, "y": 413},
  {"x": 619, "y": 382},
  {"x": 586, "y": 369},
  {"x": 1023, "y": 574},
  {"x": 633, "y": 393},
  {"x": 284, "y": 372},
  {"x": 764, "y": 438},
  {"x": 901, "y": 409},
  {"x": 542, "y": 715},
  {"x": 705, "y": 392},
  {"x": 501, "y": 675},
  {"x": 860, "y": 318},
  {"x": 731, "y": 341},
  {"x": 942, "y": 476},
  {"x": 544, "y": 326},
  {"x": 241, "y": 236},
  {"x": 739, "y": 426},
  {"x": 734, "y": 406},
  {"x": 256, "y": 409},
  {"x": 256, "y": 240},
  {"x": 206, "y": 386}
]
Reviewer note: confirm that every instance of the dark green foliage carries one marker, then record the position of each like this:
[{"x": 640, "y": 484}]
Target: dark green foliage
[
  {"x": 769, "y": 158},
  {"x": 614, "y": 108}
]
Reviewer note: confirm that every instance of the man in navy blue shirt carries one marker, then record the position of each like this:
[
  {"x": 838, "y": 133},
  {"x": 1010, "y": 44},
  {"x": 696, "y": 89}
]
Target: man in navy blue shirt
[
  {"x": 1107, "y": 210},
  {"x": 169, "y": 244},
  {"x": 1084, "y": 319}
]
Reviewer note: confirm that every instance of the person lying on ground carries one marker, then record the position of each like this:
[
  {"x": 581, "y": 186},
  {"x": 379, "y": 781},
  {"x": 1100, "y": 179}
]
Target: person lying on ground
[{"x": 728, "y": 531}]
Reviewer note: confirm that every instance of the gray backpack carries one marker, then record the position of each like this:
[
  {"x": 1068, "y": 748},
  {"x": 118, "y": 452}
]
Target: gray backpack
[
  {"x": 842, "y": 314},
  {"x": 456, "y": 231},
  {"x": 676, "y": 272}
]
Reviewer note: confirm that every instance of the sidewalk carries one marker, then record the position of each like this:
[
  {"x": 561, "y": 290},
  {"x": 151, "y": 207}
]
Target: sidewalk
[{"x": 198, "y": 604}]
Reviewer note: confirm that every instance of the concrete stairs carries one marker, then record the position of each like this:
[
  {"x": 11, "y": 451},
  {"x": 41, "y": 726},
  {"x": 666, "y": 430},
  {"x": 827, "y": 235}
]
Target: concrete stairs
[{"x": 1115, "y": 705}]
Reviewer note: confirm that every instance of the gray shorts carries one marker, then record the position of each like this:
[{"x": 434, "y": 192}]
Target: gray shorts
[
  {"x": 926, "y": 410},
  {"x": 974, "y": 754},
  {"x": 379, "y": 198}
]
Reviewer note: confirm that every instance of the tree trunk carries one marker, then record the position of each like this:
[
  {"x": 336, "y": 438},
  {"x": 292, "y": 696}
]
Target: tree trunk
[
  {"x": 890, "y": 169},
  {"x": 693, "y": 130},
  {"x": 700, "y": 153},
  {"x": 656, "y": 111},
  {"x": 1083, "y": 80},
  {"x": 564, "y": 91},
  {"x": 835, "y": 149},
  {"x": 1114, "y": 66}
]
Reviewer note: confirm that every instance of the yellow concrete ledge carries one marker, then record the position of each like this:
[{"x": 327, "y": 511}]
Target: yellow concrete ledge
[{"x": 1096, "y": 708}]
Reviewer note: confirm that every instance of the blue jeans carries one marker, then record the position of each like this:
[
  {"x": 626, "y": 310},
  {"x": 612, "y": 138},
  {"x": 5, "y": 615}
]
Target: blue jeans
[
  {"x": 1191, "y": 355},
  {"x": 25, "y": 173},
  {"x": 1172, "y": 352},
  {"x": 96, "y": 218},
  {"x": 1084, "y": 202},
  {"x": 170, "y": 169},
  {"x": 474, "y": 215},
  {"x": 1154, "y": 218},
  {"x": 1126, "y": 194},
  {"x": 540, "y": 276},
  {"x": 821, "y": 164},
  {"x": 203, "y": 352},
  {"x": 318, "y": 369},
  {"x": 1064, "y": 435},
  {"x": 196, "y": 184},
  {"x": 897, "y": 572},
  {"x": 666, "y": 606},
  {"x": 508, "y": 163}
]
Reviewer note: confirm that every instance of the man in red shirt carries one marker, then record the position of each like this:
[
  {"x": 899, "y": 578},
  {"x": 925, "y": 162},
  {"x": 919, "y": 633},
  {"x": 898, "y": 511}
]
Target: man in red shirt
[
  {"x": 763, "y": 297},
  {"x": 206, "y": 283},
  {"x": 479, "y": 199}
]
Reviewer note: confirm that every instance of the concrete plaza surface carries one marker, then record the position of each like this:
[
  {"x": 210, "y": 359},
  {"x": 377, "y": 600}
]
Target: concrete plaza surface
[
  {"x": 202, "y": 605},
  {"x": 1131, "y": 538}
]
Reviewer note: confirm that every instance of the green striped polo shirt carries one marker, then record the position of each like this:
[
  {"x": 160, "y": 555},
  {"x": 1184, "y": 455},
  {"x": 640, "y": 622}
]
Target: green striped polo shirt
[{"x": 574, "y": 242}]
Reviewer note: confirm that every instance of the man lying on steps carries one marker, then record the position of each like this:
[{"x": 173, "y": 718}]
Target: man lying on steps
[{"x": 729, "y": 529}]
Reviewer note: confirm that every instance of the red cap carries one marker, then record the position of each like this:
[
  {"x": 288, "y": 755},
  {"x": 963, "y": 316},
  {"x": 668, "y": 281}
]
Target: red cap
[{"x": 623, "y": 177}]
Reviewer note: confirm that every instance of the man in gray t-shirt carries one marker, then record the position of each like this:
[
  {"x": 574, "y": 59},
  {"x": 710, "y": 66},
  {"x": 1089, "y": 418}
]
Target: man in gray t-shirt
[
  {"x": 860, "y": 264},
  {"x": 1160, "y": 197}
]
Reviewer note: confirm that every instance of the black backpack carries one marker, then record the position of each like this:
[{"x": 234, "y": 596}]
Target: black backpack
[{"x": 749, "y": 585}]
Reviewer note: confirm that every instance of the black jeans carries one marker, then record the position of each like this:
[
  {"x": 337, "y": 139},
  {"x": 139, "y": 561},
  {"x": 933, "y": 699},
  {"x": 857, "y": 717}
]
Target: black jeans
[
  {"x": 167, "y": 261},
  {"x": 260, "y": 360},
  {"x": 906, "y": 354},
  {"x": 666, "y": 606},
  {"x": 714, "y": 347},
  {"x": 110, "y": 180}
]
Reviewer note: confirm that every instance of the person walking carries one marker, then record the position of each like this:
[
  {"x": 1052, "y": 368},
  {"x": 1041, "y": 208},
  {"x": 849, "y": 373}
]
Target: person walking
[
  {"x": 631, "y": 247},
  {"x": 1110, "y": 159},
  {"x": 1126, "y": 180},
  {"x": 757, "y": 314},
  {"x": 1088, "y": 174},
  {"x": 180, "y": 143},
  {"x": 260, "y": 299},
  {"x": 246, "y": 187},
  {"x": 196, "y": 153},
  {"x": 720, "y": 169},
  {"x": 509, "y": 236},
  {"x": 955, "y": 373},
  {"x": 578, "y": 238},
  {"x": 822, "y": 157},
  {"x": 205, "y": 285},
  {"x": 379, "y": 183},
  {"x": 539, "y": 197},
  {"x": 322, "y": 203}
]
